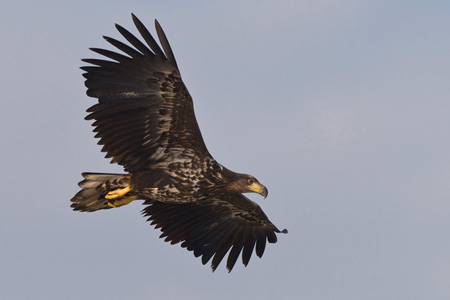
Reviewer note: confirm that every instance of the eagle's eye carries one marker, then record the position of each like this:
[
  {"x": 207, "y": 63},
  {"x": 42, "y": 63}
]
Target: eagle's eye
[{"x": 250, "y": 181}]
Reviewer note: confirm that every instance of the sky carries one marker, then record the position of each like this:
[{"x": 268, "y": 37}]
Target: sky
[{"x": 340, "y": 108}]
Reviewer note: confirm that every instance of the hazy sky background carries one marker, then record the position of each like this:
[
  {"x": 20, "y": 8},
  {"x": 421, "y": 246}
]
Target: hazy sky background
[{"x": 341, "y": 108}]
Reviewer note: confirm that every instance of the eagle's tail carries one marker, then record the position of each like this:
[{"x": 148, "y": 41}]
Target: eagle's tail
[{"x": 102, "y": 191}]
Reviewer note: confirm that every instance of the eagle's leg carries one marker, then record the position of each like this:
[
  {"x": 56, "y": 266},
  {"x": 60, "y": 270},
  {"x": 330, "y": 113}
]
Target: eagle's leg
[
  {"x": 117, "y": 193},
  {"x": 121, "y": 201}
]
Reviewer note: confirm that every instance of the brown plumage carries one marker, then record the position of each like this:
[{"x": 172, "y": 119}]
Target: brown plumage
[{"x": 145, "y": 121}]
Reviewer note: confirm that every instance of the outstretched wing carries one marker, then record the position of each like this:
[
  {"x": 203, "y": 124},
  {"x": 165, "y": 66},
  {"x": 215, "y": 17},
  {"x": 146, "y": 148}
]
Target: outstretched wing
[
  {"x": 145, "y": 114},
  {"x": 213, "y": 227}
]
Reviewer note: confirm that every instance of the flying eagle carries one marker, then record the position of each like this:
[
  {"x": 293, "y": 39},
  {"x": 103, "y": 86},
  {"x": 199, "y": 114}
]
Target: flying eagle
[{"x": 145, "y": 121}]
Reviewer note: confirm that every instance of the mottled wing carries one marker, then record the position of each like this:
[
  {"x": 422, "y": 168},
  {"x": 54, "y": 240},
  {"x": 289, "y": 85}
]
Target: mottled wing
[
  {"x": 144, "y": 114},
  {"x": 210, "y": 229}
]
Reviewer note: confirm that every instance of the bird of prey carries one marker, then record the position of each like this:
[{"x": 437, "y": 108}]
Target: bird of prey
[{"x": 145, "y": 121}]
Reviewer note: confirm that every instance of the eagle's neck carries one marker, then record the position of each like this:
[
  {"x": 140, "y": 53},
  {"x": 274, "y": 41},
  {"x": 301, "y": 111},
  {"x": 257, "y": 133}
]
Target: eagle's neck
[{"x": 232, "y": 181}]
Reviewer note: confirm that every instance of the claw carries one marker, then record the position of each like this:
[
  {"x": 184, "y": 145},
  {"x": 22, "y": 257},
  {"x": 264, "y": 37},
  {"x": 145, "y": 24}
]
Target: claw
[
  {"x": 117, "y": 193},
  {"x": 121, "y": 202}
]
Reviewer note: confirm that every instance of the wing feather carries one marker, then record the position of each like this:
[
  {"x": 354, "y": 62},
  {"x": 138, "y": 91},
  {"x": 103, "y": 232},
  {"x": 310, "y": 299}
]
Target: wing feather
[
  {"x": 212, "y": 249},
  {"x": 249, "y": 245},
  {"x": 113, "y": 55},
  {"x": 134, "y": 41},
  {"x": 210, "y": 228},
  {"x": 136, "y": 55},
  {"x": 144, "y": 115},
  {"x": 260, "y": 245},
  {"x": 147, "y": 37},
  {"x": 234, "y": 253},
  {"x": 165, "y": 43}
]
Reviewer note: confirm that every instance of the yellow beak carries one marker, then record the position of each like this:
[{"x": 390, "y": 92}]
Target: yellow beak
[{"x": 259, "y": 189}]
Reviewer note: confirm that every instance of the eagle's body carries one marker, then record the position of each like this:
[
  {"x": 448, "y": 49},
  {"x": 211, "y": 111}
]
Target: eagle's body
[
  {"x": 145, "y": 121},
  {"x": 167, "y": 184}
]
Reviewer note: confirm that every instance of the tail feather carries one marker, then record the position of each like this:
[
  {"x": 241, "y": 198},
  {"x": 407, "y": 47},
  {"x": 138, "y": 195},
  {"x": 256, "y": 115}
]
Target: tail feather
[{"x": 95, "y": 187}]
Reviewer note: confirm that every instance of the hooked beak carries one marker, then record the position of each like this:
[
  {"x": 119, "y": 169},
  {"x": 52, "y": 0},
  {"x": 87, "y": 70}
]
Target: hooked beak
[
  {"x": 259, "y": 189},
  {"x": 263, "y": 192}
]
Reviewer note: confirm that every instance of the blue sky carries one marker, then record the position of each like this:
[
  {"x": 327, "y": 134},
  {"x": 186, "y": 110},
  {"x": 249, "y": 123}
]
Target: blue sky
[{"x": 341, "y": 109}]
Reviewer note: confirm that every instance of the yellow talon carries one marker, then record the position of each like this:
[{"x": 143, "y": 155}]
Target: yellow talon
[
  {"x": 117, "y": 193},
  {"x": 122, "y": 202}
]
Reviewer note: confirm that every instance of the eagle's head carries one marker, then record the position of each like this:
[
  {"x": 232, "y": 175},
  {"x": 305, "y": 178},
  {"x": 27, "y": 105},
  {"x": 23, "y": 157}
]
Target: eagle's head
[{"x": 244, "y": 183}]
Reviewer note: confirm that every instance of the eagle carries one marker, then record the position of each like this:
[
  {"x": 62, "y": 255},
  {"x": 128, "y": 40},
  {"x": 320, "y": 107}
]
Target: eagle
[{"x": 145, "y": 121}]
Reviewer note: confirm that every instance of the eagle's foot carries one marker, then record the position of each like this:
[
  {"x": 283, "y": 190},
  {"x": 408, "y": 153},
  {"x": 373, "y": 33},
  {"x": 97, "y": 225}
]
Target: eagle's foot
[
  {"x": 121, "y": 201},
  {"x": 117, "y": 193}
]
